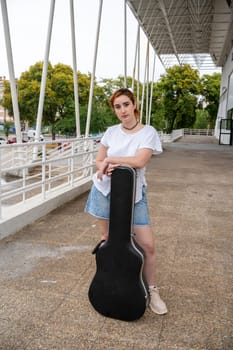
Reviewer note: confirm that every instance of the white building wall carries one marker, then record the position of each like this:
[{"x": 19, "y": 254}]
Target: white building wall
[{"x": 227, "y": 70}]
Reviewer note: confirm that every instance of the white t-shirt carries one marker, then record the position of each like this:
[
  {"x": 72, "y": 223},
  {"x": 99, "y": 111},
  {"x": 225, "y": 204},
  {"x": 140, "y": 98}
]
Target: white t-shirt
[{"x": 121, "y": 144}]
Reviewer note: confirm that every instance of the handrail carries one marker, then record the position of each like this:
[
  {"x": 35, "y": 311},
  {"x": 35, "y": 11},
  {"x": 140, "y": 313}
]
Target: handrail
[
  {"x": 59, "y": 164},
  {"x": 201, "y": 132}
]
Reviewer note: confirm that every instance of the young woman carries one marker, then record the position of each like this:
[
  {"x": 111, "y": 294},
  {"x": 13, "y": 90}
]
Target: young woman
[{"x": 129, "y": 143}]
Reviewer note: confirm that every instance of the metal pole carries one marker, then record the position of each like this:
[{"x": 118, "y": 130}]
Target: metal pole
[
  {"x": 135, "y": 60},
  {"x": 147, "y": 84},
  {"x": 138, "y": 82},
  {"x": 44, "y": 73},
  {"x": 143, "y": 88},
  {"x": 75, "y": 76},
  {"x": 93, "y": 72},
  {"x": 125, "y": 44},
  {"x": 11, "y": 71},
  {"x": 151, "y": 88}
]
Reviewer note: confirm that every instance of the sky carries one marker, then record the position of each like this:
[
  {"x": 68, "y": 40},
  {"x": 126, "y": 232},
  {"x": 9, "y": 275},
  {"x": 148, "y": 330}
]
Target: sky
[{"x": 28, "y": 29}]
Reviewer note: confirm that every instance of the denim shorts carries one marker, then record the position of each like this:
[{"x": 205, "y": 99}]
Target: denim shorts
[{"x": 99, "y": 206}]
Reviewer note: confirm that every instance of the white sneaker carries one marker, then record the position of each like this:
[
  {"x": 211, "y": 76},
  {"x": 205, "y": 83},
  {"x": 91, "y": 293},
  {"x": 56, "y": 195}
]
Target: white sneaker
[{"x": 156, "y": 304}]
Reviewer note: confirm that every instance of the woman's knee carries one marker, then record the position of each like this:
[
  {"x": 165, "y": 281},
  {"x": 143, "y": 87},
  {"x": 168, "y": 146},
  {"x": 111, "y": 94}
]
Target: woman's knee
[
  {"x": 149, "y": 249},
  {"x": 145, "y": 239}
]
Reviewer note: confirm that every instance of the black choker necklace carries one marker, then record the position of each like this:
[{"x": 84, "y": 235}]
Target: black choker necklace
[{"x": 130, "y": 128}]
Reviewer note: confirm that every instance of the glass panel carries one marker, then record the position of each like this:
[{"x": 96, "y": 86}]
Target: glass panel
[{"x": 230, "y": 93}]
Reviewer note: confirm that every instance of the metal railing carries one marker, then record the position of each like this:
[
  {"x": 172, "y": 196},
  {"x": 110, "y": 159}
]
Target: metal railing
[
  {"x": 35, "y": 170},
  {"x": 173, "y": 136},
  {"x": 200, "y": 132}
]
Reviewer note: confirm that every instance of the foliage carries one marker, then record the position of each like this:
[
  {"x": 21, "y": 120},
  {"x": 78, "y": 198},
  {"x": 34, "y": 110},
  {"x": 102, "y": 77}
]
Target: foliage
[
  {"x": 7, "y": 127},
  {"x": 202, "y": 119},
  {"x": 109, "y": 85},
  {"x": 211, "y": 91},
  {"x": 177, "y": 91},
  {"x": 157, "y": 110},
  {"x": 6, "y": 98},
  {"x": 59, "y": 94}
]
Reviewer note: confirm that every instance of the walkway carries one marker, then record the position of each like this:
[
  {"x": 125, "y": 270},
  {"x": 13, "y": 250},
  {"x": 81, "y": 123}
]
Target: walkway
[{"x": 46, "y": 268}]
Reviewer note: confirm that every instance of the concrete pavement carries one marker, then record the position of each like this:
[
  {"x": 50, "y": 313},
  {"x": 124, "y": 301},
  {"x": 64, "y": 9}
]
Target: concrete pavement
[{"x": 46, "y": 268}]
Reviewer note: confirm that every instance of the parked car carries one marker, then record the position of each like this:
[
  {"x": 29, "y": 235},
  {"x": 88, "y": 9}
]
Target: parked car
[
  {"x": 2, "y": 141},
  {"x": 12, "y": 140},
  {"x": 31, "y": 134}
]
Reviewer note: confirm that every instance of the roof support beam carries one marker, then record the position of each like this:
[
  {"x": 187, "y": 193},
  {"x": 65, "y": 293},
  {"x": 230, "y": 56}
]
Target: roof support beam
[{"x": 162, "y": 7}]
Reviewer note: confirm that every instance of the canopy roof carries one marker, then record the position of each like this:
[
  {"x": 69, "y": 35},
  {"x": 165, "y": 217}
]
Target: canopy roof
[{"x": 198, "y": 32}]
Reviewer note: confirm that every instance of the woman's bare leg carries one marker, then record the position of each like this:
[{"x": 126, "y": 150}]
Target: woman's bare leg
[
  {"x": 145, "y": 239},
  {"x": 104, "y": 225}
]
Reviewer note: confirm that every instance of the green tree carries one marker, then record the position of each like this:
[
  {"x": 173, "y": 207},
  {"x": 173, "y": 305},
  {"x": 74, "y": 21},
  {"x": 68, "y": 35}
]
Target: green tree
[
  {"x": 157, "y": 109},
  {"x": 211, "y": 91},
  {"x": 59, "y": 103},
  {"x": 7, "y": 126},
  {"x": 6, "y": 98},
  {"x": 177, "y": 90},
  {"x": 28, "y": 88},
  {"x": 110, "y": 85},
  {"x": 29, "y": 91},
  {"x": 59, "y": 94},
  {"x": 202, "y": 119}
]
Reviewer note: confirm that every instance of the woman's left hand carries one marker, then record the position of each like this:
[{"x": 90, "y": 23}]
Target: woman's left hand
[
  {"x": 107, "y": 172},
  {"x": 110, "y": 168},
  {"x": 106, "y": 168},
  {"x": 102, "y": 170}
]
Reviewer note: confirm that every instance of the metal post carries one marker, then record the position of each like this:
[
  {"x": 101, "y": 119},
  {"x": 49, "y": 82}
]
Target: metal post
[
  {"x": 11, "y": 71},
  {"x": 93, "y": 71},
  {"x": 151, "y": 88},
  {"x": 147, "y": 84},
  {"x": 143, "y": 88},
  {"x": 135, "y": 59},
  {"x": 75, "y": 77},
  {"x": 138, "y": 82},
  {"x": 44, "y": 73},
  {"x": 125, "y": 44}
]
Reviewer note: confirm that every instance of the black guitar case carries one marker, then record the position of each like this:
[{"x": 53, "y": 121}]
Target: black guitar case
[{"x": 118, "y": 289}]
